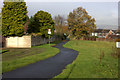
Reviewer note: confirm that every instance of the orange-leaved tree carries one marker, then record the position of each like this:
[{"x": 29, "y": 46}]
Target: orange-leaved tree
[{"x": 80, "y": 23}]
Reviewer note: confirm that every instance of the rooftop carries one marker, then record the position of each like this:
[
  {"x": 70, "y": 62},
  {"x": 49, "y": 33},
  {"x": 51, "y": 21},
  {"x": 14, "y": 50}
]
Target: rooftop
[{"x": 106, "y": 31}]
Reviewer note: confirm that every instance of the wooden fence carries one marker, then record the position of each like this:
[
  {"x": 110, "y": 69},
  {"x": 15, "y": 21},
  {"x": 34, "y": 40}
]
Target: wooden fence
[
  {"x": 98, "y": 39},
  {"x": 26, "y": 41}
]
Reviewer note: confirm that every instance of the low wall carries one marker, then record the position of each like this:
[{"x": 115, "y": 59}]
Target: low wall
[
  {"x": 26, "y": 41},
  {"x": 37, "y": 40},
  {"x": 98, "y": 39},
  {"x": 91, "y": 39}
]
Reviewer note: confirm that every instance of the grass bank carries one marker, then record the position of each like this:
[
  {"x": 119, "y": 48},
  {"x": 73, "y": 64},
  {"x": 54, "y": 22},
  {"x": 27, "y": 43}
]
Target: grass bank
[
  {"x": 16, "y": 58},
  {"x": 94, "y": 60}
]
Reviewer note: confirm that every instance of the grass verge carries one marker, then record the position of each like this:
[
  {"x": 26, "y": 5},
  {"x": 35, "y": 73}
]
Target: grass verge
[
  {"x": 16, "y": 58},
  {"x": 89, "y": 63}
]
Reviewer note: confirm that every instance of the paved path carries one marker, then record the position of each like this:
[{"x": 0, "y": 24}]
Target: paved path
[{"x": 46, "y": 68}]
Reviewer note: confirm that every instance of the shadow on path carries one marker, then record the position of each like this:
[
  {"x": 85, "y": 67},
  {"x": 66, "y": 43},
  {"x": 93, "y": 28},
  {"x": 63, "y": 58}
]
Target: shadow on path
[{"x": 46, "y": 68}]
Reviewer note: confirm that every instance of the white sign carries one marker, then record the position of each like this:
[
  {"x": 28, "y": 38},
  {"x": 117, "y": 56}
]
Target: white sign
[
  {"x": 49, "y": 31},
  {"x": 118, "y": 44},
  {"x": 95, "y": 34}
]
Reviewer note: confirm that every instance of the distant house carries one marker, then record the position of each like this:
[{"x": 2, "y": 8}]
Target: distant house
[{"x": 105, "y": 33}]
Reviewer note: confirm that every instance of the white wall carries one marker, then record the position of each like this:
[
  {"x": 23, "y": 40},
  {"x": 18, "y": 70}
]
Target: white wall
[{"x": 18, "y": 42}]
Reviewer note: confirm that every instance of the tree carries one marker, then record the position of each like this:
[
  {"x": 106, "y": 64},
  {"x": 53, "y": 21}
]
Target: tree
[
  {"x": 26, "y": 25},
  {"x": 59, "y": 23},
  {"x": 40, "y": 23},
  {"x": 60, "y": 26},
  {"x": 0, "y": 24},
  {"x": 80, "y": 23},
  {"x": 0, "y": 20},
  {"x": 14, "y": 17},
  {"x": 32, "y": 26}
]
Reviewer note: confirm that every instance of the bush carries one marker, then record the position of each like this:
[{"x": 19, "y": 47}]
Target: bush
[
  {"x": 92, "y": 38},
  {"x": 117, "y": 40}
]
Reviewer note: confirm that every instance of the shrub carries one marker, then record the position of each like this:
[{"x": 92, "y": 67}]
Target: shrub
[{"x": 117, "y": 40}]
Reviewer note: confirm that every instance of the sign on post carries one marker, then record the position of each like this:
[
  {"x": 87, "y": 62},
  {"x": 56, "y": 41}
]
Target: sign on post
[{"x": 49, "y": 31}]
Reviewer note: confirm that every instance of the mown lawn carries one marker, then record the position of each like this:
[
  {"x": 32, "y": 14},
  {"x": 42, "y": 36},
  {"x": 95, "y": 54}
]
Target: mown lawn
[
  {"x": 87, "y": 63},
  {"x": 15, "y": 58}
]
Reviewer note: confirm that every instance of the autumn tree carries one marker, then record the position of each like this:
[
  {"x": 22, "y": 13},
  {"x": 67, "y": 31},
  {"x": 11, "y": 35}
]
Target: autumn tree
[
  {"x": 0, "y": 20},
  {"x": 26, "y": 25},
  {"x": 13, "y": 18},
  {"x": 80, "y": 23},
  {"x": 0, "y": 24},
  {"x": 40, "y": 23}
]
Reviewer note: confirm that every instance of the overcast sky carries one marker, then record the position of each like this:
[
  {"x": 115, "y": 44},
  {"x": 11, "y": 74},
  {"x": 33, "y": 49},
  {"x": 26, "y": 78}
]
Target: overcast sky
[{"x": 105, "y": 13}]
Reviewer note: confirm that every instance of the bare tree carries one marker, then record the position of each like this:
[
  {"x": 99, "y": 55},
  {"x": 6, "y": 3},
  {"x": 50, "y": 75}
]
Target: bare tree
[{"x": 60, "y": 25}]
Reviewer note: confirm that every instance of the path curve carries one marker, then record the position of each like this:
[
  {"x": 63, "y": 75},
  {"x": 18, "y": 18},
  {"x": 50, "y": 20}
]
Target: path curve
[{"x": 46, "y": 68}]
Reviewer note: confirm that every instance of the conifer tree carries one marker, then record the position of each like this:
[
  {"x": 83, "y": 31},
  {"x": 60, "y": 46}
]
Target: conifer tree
[
  {"x": 40, "y": 23},
  {"x": 14, "y": 17}
]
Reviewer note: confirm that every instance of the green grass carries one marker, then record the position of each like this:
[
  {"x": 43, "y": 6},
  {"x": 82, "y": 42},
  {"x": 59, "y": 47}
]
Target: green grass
[
  {"x": 2, "y": 51},
  {"x": 16, "y": 58},
  {"x": 87, "y": 63}
]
